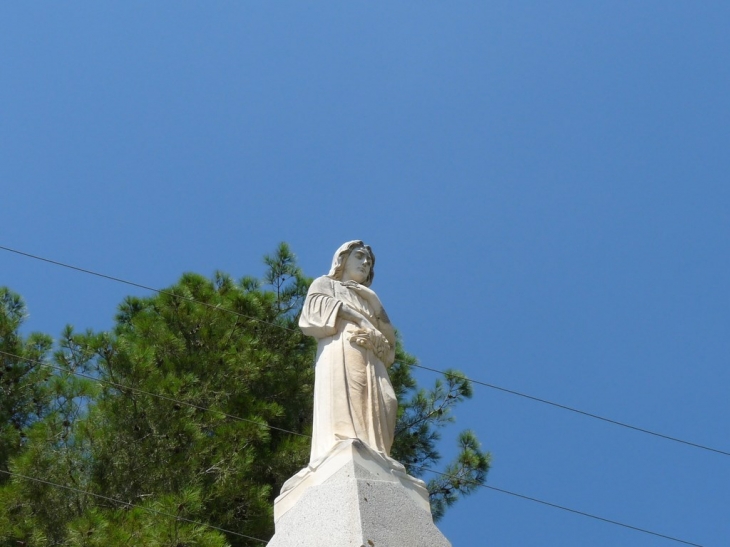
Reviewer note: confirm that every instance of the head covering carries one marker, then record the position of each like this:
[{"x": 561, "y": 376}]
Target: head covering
[{"x": 338, "y": 261}]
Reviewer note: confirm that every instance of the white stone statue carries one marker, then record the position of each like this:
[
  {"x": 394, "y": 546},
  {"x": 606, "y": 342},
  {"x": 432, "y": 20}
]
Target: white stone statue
[
  {"x": 352, "y": 493},
  {"x": 353, "y": 396}
]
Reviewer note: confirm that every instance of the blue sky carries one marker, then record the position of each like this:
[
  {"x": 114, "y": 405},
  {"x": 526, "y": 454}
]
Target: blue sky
[{"x": 545, "y": 186}]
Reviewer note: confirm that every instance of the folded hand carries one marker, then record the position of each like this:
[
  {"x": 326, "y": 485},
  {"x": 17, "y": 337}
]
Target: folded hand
[{"x": 372, "y": 339}]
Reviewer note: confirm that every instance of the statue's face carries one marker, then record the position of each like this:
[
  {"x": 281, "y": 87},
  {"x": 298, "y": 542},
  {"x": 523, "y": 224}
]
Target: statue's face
[{"x": 357, "y": 265}]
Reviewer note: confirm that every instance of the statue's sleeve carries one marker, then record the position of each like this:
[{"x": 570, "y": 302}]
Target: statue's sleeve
[{"x": 319, "y": 313}]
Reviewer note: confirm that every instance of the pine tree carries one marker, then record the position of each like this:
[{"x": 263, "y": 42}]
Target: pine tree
[{"x": 24, "y": 399}]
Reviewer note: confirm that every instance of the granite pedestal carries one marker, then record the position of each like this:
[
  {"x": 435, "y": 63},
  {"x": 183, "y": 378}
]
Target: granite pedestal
[{"x": 355, "y": 497}]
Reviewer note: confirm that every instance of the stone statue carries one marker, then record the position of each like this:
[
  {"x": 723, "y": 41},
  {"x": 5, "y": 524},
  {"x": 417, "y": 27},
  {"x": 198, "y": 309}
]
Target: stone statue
[
  {"x": 353, "y": 396},
  {"x": 352, "y": 492}
]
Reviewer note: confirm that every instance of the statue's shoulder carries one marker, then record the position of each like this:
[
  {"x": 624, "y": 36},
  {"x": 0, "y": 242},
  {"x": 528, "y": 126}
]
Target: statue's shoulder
[{"x": 324, "y": 285}]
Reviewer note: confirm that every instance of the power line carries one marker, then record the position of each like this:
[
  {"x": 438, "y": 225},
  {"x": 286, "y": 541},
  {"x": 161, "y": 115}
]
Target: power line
[
  {"x": 127, "y": 504},
  {"x": 578, "y": 411},
  {"x": 492, "y": 386},
  {"x": 529, "y": 498},
  {"x": 575, "y": 410},
  {"x": 501, "y": 490},
  {"x": 577, "y": 512},
  {"x": 141, "y": 391},
  {"x": 140, "y": 286}
]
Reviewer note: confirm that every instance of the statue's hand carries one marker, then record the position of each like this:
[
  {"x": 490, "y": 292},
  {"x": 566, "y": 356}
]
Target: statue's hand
[
  {"x": 367, "y": 293},
  {"x": 370, "y": 297},
  {"x": 372, "y": 339}
]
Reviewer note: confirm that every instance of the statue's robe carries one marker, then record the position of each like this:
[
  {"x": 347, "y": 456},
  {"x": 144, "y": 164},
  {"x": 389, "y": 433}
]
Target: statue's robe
[{"x": 353, "y": 395}]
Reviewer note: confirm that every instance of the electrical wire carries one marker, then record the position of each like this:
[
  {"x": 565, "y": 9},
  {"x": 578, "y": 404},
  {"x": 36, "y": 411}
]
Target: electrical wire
[
  {"x": 127, "y": 504},
  {"x": 577, "y": 512},
  {"x": 478, "y": 382},
  {"x": 140, "y": 286},
  {"x": 141, "y": 391},
  {"x": 522, "y": 496},
  {"x": 578, "y": 411}
]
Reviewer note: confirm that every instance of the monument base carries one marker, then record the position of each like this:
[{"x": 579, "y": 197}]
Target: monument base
[{"x": 354, "y": 498}]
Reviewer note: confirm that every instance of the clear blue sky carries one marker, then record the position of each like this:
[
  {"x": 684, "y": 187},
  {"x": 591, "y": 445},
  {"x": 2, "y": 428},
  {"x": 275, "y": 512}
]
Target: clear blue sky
[{"x": 545, "y": 185}]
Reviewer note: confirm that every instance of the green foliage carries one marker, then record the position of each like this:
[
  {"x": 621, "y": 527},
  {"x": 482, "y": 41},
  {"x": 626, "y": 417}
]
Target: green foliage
[
  {"x": 184, "y": 410},
  {"x": 24, "y": 395},
  {"x": 421, "y": 416},
  {"x": 461, "y": 477}
]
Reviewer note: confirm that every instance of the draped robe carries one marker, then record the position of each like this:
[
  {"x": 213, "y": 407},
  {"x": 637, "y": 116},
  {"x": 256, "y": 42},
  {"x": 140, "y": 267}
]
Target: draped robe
[{"x": 353, "y": 395}]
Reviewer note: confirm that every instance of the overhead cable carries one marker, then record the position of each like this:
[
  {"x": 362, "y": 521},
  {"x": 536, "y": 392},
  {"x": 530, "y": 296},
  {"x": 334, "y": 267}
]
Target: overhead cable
[
  {"x": 140, "y": 286},
  {"x": 309, "y": 436},
  {"x": 127, "y": 504},
  {"x": 501, "y": 490},
  {"x": 485, "y": 384},
  {"x": 123, "y": 387},
  {"x": 563, "y": 508},
  {"x": 578, "y": 411}
]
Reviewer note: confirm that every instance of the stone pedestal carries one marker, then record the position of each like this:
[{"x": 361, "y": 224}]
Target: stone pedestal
[{"x": 354, "y": 498}]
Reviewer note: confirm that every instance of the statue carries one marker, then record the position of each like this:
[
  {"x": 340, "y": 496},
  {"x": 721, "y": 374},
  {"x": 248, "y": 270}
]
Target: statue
[
  {"x": 352, "y": 492},
  {"x": 353, "y": 395}
]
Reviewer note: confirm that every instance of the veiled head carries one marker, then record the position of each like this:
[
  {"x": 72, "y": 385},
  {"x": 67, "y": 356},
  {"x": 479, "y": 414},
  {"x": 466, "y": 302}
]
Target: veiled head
[{"x": 341, "y": 255}]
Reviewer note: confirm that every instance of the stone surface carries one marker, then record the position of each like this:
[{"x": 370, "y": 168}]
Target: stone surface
[
  {"x": 349, "y": 453},
  {"x": 361, "y": 502}
]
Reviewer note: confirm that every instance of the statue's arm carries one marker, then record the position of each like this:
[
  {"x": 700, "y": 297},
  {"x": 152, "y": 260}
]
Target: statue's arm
[
  {"x": 349, "y": 313},
  {"x": 380, "y": 319},
  {"x": 322, "y": 309},
  {"x": 383, "y": 340}
]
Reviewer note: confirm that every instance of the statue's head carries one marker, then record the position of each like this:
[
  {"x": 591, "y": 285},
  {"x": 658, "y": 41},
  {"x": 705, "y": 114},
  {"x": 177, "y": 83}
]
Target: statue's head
[{"x": 343, "y": 253}]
